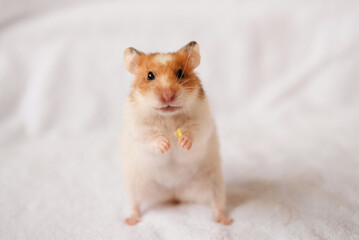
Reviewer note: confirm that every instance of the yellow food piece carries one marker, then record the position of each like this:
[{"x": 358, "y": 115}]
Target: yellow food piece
[{"x": 178, "y": 133}]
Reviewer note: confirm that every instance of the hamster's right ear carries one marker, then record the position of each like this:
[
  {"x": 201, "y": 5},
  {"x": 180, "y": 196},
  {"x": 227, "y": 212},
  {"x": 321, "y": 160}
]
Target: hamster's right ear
[{"x": 131, "y": 57}]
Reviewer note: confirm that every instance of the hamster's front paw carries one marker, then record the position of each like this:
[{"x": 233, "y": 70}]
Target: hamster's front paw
[
  {"x": 162, "y": 144},
  {"x": 185, "y": 141}
]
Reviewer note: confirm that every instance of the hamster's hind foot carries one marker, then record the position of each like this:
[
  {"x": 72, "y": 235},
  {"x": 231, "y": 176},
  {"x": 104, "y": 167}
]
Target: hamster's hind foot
[
  {"x": 133, "y": 220},
  {"x": 135, "y": 216},
  {"x": 224, "y": 220}
]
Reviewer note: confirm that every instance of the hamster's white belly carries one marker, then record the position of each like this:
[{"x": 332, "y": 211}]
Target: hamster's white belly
[{"x": 173, "y": 168}]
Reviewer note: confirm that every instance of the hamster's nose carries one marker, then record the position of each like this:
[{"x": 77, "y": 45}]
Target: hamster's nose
[{"x": 168, "y": 96}]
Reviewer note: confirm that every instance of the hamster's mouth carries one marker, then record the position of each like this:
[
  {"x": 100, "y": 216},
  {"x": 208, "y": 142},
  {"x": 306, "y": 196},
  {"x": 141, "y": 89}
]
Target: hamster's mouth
[{"x": 169, "y": 108}]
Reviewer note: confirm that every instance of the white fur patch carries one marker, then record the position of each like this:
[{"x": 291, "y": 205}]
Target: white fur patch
[
  {"x": 163, "y": 58},
  {"x": 164, "y": 81}
]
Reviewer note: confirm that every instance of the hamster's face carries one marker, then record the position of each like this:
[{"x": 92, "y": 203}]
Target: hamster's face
[{"x": 165, "y": 83}]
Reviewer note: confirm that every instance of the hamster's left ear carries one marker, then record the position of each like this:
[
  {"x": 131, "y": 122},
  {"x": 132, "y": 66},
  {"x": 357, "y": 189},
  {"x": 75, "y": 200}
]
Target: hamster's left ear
[
  {"x": 131, "y": 57},
  {"x": 192, "y": 49}
]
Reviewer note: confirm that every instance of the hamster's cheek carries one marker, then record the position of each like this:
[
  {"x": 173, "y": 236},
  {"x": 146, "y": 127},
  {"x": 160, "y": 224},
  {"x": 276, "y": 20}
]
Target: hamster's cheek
[
  {"x": 150, "y": 99},
  {"x": 189, "y": 98},
  {"x": 154, "y": 99}
]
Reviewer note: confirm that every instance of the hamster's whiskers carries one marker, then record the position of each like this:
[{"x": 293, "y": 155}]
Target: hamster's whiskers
[{"x": 188, "y": 80}]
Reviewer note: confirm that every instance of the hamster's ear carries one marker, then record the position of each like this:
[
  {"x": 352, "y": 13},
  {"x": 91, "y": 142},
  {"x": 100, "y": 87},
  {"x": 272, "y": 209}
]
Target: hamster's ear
[
  {"x": 192, "y": 49},
  {"x": 131, "y": 57}
]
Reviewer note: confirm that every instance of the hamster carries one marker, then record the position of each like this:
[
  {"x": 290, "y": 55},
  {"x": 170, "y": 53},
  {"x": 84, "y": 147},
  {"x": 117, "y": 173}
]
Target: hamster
[{"x": 157, "y": 166}]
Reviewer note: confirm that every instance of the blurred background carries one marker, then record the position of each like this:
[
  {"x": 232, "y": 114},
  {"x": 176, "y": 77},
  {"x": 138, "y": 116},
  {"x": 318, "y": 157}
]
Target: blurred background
[{"x": 282, "y": 78}]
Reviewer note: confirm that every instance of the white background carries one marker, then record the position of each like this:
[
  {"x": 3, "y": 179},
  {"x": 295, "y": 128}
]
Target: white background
[{"x": 283, "y": 81}]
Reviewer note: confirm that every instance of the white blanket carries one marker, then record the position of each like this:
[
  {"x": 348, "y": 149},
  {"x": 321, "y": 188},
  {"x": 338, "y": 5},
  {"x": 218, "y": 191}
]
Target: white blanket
[{"x": 283, "y": 82}]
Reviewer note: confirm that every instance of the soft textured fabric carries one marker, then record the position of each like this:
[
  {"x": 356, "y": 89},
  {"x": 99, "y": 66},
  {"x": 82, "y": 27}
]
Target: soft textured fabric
[{"x": 283, "y": 81}]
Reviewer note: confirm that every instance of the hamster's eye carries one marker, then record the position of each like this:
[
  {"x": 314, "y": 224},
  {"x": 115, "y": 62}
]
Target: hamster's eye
[
  {"x": 150, "y": 76},
  {"x": 180, "y": 73}
]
